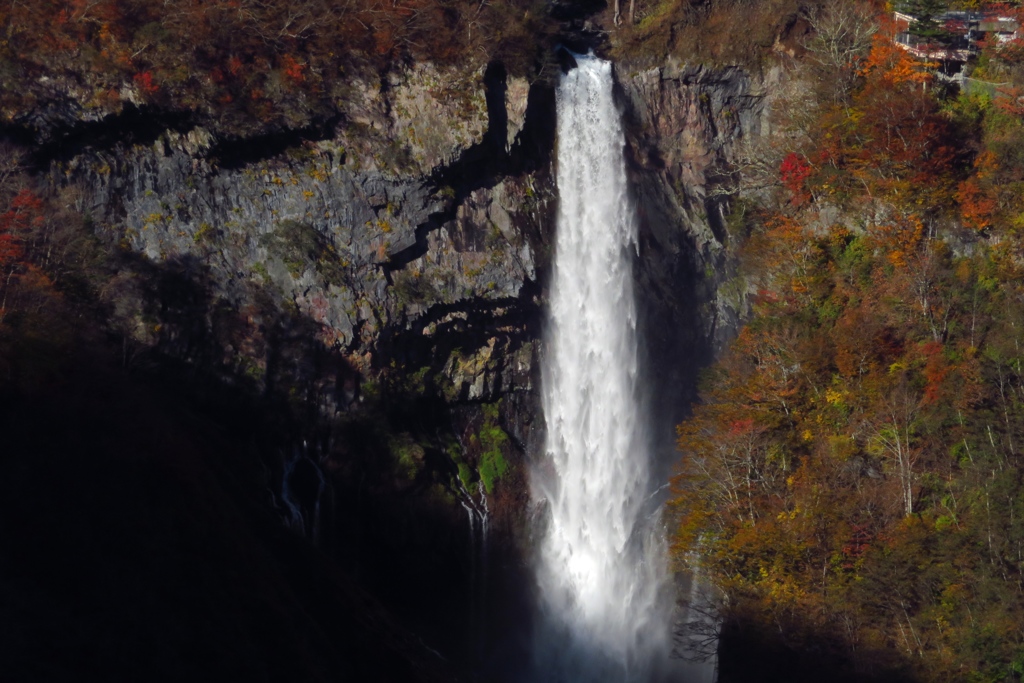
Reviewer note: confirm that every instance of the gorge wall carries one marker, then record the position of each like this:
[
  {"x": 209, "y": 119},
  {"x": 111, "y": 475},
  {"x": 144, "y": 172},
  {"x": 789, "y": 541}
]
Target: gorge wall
[
  {"x": 377, "y": 280},
  {"x": 685, "y": 124}
]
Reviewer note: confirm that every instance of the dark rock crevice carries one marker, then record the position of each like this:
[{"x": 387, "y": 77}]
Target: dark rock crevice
[
  {"x": 66, "y": 138},
  {"x": 431, "y": 338},
  {"x": 485, "y": 164},
  {"x": 238, "y": 152}
]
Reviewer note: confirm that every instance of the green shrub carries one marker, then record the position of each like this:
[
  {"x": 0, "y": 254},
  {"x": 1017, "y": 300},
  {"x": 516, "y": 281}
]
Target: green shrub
[
  {"x": 407, "y": 455},
  {"x": 493, "y": 465},
  {"x": 204, "y": 234}
]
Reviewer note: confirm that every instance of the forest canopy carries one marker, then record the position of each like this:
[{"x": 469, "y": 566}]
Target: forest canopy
[{"x": 851, "y": 478}]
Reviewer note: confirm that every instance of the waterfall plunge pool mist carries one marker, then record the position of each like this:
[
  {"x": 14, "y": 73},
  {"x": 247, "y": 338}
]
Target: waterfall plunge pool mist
[{"x": 604, "y": 590}]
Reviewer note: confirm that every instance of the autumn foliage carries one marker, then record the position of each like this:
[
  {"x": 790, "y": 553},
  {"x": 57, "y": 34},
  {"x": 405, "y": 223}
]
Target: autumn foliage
[
  {"x": 18, "y": 226},
  {"x": 851, "y": 479},
  {"x": 248, "y": 58},
  {"x": 890, "y": 140},
  {"x": 865, "y": 417},
  {"x": 794, "y": 173}
]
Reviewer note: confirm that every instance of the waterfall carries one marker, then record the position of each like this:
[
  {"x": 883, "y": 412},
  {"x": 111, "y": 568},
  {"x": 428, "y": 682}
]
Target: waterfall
[
  {"x": 479, "y": 519},
  {"x": 601, "y": 567},
  {"x": 302, "y": 487}
]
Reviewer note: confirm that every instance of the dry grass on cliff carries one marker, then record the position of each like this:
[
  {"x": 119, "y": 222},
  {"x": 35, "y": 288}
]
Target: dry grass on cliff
[{"x": 720, "y": 32}]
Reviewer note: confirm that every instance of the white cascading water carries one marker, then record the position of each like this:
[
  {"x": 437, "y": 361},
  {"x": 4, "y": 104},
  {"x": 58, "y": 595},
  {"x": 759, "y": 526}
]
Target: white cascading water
[{"x": 601, "y": 565}]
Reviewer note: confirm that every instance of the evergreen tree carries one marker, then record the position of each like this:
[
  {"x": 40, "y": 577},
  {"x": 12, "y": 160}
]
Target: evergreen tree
[{"x": 928, "y": 27}]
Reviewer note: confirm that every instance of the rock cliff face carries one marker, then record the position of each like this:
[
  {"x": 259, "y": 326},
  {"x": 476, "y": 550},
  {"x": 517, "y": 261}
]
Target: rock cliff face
[
  {"x": 379, "y": 279},
  {"x": 407, "y": 219},
  {"x": 382, "y": 276},
  {"x": 684, "y": 126}
]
